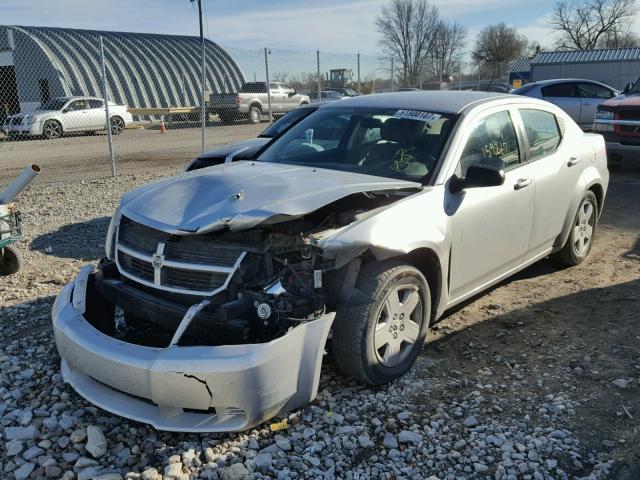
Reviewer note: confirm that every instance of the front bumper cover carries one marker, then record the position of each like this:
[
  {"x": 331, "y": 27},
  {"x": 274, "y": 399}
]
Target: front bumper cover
[{"x": 190, "y": 389}]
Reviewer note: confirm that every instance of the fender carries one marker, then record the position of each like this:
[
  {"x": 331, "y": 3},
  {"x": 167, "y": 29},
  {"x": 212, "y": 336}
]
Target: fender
[{"x": 590, "y": 177}]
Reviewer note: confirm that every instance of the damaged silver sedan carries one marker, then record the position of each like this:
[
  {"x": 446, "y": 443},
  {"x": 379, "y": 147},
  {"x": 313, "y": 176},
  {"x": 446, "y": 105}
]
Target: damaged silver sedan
[{"x": 355, "y": 229}]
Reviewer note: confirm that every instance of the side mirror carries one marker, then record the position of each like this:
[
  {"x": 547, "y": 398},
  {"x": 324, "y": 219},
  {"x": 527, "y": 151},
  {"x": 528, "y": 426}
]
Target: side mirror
[
  {"x": 477, "y": 176},
  {"x": 627, "y": 88},
  {"x": 292, "y": 92},
  {"x": 66, "y": 110}
]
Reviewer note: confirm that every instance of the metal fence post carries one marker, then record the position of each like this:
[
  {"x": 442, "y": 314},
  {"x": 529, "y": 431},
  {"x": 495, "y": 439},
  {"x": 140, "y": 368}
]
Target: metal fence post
[
  {"x": 203, "y": 105},
  {"x": 359, "y": 73},
  {"x": 106, "y": 108},
  {"x": 319, "y": 77},
  {"x": 392, "y": 74},
  {"x": 266, "y": 73}
]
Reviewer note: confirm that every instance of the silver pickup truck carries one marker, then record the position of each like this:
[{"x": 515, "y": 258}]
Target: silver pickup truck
[{"x": 252, "y": 101}]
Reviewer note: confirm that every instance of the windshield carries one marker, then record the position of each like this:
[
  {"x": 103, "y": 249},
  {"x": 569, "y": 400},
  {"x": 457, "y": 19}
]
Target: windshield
[
  {"x": 403, "y": 144},
  {"x": 524, "y": 89},
  {"x": 285, "y": 122},
  {"x": 53, "y": 104}
]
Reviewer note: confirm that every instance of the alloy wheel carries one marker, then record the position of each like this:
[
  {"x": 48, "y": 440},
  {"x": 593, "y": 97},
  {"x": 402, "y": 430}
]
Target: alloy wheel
[
  {"x": 52, "y": 130},
  {"x": 117, "y": 125}
]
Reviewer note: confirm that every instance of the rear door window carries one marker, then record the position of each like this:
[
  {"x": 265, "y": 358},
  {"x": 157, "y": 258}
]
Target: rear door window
[
  {"x": 542, "y": 132},
  {"x": 566, "y": 89},
  {"x": 95, "y": 103},
  {"x": 593, "y": 90}
]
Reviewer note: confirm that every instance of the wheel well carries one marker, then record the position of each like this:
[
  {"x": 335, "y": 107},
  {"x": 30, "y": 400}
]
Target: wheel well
[
  {"x": 599, "y": 193},
  {"x": 426, "y": 260},
  {"x": 257, "y": 105}
]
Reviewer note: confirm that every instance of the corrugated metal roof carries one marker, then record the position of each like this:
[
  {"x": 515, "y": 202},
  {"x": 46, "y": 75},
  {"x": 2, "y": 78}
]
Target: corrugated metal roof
[
  {"x": 147, "y": 70},
  {"x": 521, "y": 65},
  {"x": 588, "y": 56}
]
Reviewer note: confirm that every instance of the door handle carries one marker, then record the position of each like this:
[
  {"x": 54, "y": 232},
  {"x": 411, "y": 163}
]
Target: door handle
[
  {"x": 522, "y": 183},
  {"x": 574, "y": 161}
]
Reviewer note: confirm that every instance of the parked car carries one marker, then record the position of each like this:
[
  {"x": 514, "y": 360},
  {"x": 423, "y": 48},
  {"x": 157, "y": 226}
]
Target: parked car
[
  {"x": 252, "y": 102},
  {"x": 369, "y": 218},
  {"x": 68, "y": 114},
  {"x": 618, "y": 120},
  {"x": 579, "y": 98},
  {"x": 325, "y": 96},
  {"x": 247, "y": 149}
]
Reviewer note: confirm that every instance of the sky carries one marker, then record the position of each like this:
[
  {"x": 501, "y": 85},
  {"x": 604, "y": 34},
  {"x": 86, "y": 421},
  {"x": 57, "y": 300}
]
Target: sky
[{"x": 330, "y": 25}]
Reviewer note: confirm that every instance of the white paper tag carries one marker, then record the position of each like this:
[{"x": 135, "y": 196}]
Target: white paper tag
[{"x": 417, "y": 115}]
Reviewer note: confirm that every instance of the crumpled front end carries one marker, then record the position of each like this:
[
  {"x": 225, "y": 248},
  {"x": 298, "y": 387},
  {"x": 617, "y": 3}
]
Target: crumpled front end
[{"x": 186, "y": 388}]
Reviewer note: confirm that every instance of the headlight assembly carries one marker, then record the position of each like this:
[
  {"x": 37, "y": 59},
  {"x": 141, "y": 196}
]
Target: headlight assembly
[{"x": 110, "y": 243}]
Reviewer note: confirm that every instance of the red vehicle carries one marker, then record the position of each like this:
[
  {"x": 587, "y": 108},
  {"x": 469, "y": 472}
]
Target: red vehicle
[{"x": 618, "y": 120}]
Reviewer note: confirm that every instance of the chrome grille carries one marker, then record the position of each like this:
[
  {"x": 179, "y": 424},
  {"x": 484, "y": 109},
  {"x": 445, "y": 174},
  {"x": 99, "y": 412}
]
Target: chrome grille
[{"x": 194, "y": 265}]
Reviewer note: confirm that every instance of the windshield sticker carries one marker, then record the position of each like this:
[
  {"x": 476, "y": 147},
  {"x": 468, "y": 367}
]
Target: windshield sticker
[{"x": 417, "y": 115}]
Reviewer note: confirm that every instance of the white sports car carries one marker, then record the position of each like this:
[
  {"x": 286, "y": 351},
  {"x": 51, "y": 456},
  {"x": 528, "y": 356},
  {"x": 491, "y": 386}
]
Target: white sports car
[{"x": 68, "y": 114}]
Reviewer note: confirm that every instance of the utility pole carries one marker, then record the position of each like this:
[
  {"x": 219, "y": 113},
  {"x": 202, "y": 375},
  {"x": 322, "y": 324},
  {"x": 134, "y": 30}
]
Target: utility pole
[
  {"x": 266, "y": 73},
  {"x": 319, "y": 78},
  {"x": 106, "y": 107},
  {"x": 203, "y": 102},
  {"x": 359, "y": 73},
  {"x": 392, "y": 73}
]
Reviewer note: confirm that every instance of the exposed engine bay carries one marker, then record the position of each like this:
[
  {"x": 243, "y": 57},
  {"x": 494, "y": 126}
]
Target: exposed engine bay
[{"x": 267, "y": 279}]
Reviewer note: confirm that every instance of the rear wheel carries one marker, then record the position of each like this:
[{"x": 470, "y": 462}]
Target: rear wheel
[
  {"x": 378, "y": 341},
  {"x": 117, "y": 125},
  {"x": 10, "y": 261},
  {"x": 52, "y": 129},
  {"x": 255, "y": 115},
  {"x": 583, "y": 229}
]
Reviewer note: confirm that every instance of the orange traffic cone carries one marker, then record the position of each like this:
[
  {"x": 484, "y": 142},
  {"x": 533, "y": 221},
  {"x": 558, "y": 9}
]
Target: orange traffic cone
[{"x": 163, "y": 128}]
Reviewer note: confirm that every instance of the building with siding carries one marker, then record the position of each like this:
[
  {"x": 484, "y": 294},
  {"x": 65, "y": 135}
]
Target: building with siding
[
  {"x": 143, "y": 70},
  {"x": 614, "y": 66}
]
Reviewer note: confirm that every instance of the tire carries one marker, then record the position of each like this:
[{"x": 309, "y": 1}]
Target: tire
[
  {"x": 583, "y": 229},
  {"x": 52, "y": 129},
  {"x": 255, "y": 115},
  {"x": 117, "y": 125},
  {"x": 10, "y": 261},
  {"x": 371, "y": 341}
]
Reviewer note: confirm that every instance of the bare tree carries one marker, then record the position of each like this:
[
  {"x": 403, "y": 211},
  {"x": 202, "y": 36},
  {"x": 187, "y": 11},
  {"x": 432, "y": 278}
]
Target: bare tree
[
  {"x": 448, "y": 46},
  {"x": 497, "y": 46},
  {"x": 584, "y": 24},
  {"x": 407, "y": 28},
  {"x": 623, "y": 39}
]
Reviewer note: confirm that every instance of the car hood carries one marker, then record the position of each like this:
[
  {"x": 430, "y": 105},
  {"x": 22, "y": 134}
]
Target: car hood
[
  {"x": 623, "y": 101},
  {"x": 250, "y": 147},
  {"x": 243, "y": 194}
]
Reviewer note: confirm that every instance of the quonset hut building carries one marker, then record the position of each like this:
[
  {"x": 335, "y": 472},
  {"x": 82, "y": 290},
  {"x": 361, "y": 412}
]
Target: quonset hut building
[{"x": 143, "y": 70}]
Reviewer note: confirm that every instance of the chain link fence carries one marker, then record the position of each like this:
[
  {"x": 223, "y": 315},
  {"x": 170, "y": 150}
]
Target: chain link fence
[{"x": 86, "y": 104}]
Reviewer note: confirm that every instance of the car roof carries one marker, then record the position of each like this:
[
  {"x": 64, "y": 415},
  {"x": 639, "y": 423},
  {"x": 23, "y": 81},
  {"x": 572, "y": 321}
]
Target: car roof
[
  {"x": 566, "y": 80},
  {"x": 428, "y": 100}
]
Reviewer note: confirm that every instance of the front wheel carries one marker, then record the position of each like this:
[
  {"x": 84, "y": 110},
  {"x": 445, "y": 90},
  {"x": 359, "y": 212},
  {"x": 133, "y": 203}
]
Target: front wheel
[
  {"x": 10, "y": 261},
  {"x": 583, "y": 229},
  {"x": 379, "y": 340},
  {"x": 52, "y": 129},
  {"x": 117, "y": 125}
]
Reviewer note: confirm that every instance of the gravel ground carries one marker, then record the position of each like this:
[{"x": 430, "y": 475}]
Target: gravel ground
[{"x": 536, "y": 379}]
